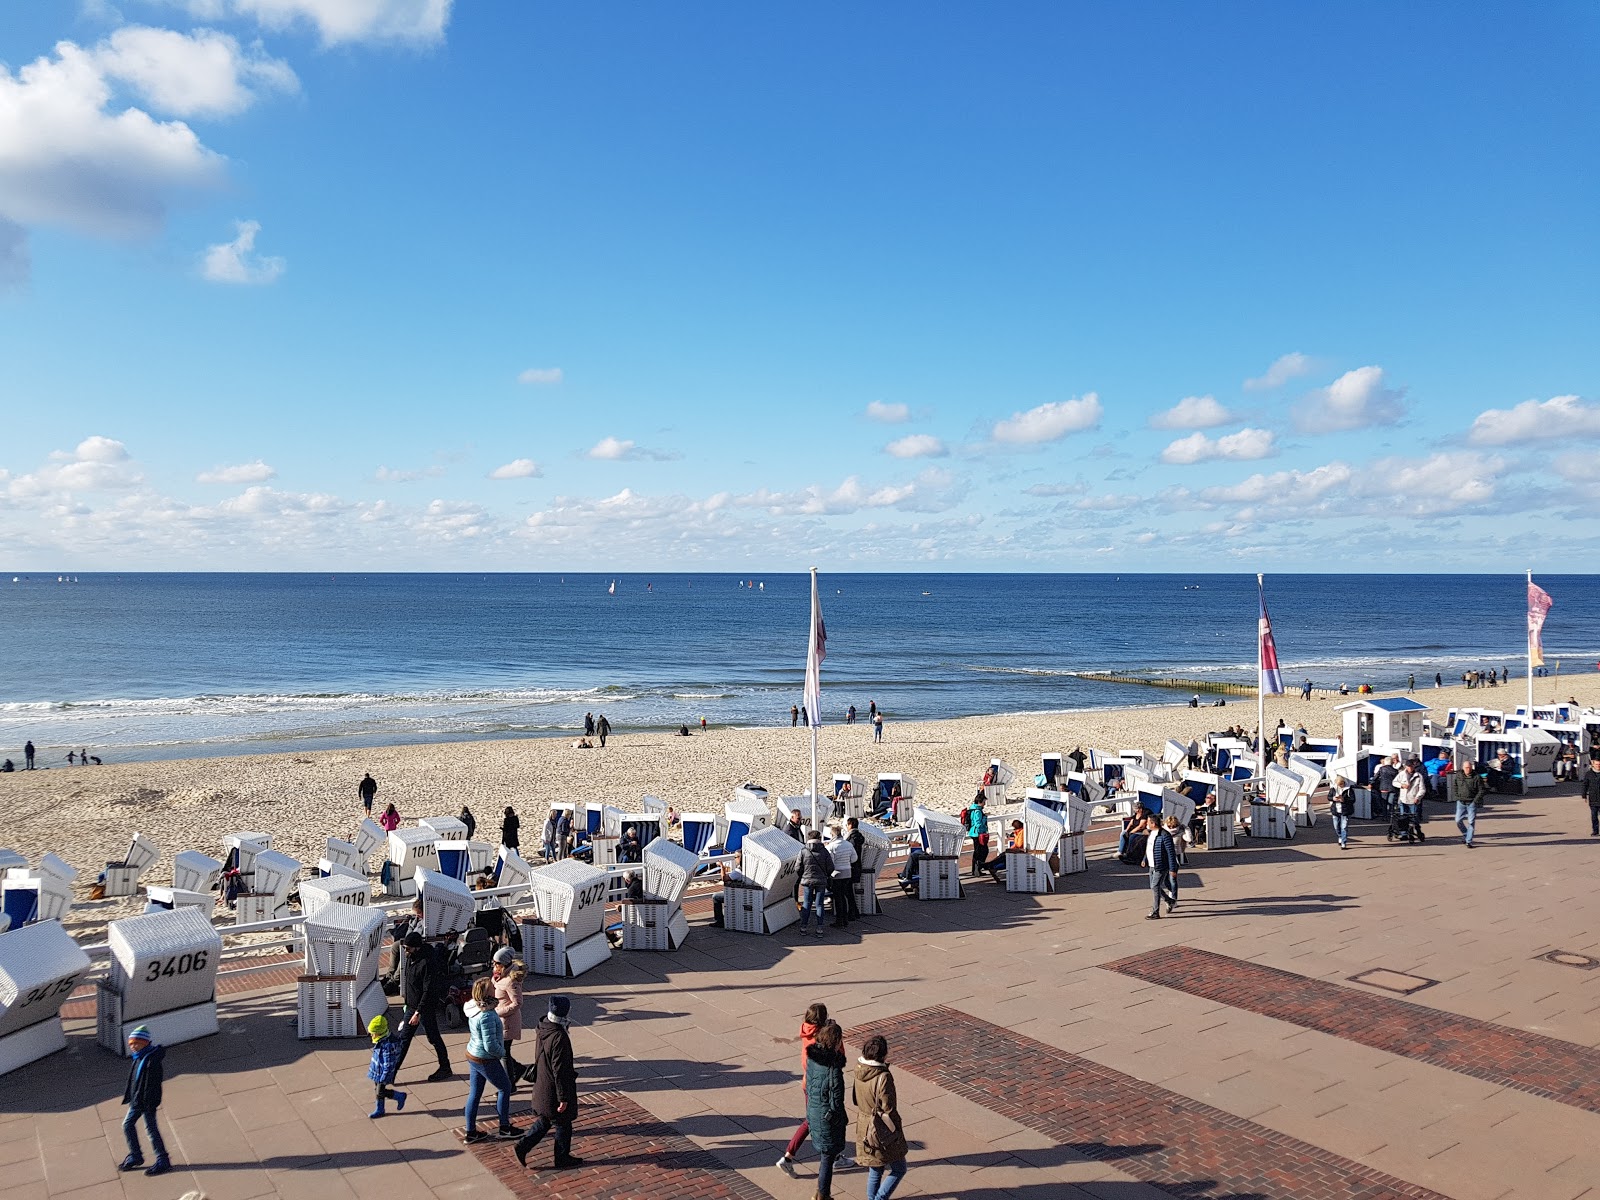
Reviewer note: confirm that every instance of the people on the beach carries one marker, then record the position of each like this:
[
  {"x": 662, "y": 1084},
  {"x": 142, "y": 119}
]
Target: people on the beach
[
  {"x": 588, "y": 724},
  {"x": 858, "y": 843},
  {"x": 142, "y": 1095},
  {"x": 555, "y": 1087},
  {"x": 390, "y": 820},
  {"x": 384, "y": 1063},
  {"x": 510, "y": 829},
  {"x": 978, "y": 832},
  {"x": 794, "y": 716},
  {"x": 27, "y": 757},
  {"x": 816, "y": 1017},
  {"x": 877, "y": 727},
  {"x": 850, "y": 715},
  {"x": 825, "y": 1103},
  {"x": 367, "y": 789},
  {"x": 602, "y": 728},
  {"x": 486, "y": 1050},
  {"x": 880, "y": 1134},
  {"x": 470, "y": 821}
]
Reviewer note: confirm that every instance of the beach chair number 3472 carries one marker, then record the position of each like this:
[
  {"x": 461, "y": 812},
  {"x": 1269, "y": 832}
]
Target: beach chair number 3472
[{"x": 178, "y": 964}]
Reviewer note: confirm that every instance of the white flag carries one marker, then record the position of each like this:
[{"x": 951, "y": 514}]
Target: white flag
[{"x": 814, "y": 655}]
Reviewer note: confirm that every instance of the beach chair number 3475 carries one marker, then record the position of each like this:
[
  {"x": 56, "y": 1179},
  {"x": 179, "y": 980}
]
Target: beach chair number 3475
[{"x": 179, "y": 964}]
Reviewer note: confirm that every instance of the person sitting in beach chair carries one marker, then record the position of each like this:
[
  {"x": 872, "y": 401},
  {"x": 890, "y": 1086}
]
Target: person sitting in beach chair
[
  {"x": 1017, "y": 841},
  {"x": 1130, "y": 845},
  {"x": 911, "y": 872}
]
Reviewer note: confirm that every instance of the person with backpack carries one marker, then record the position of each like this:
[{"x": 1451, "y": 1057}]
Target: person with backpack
[
  {"x": 422, "y": 989},
  {"x": 555, "y": 1086},
  {"x": 977, "y": 823}
]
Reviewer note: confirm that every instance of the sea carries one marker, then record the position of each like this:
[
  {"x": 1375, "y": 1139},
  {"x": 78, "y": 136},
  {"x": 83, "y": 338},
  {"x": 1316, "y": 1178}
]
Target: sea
[{"x": 148, "y": 666}]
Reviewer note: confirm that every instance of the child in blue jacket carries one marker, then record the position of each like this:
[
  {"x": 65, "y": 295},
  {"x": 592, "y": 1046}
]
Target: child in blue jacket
[{"x": 385, "y": 1061}]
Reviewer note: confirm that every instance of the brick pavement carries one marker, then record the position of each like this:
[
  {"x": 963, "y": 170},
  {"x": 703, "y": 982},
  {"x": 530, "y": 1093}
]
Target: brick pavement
[
  {"x": 1513, "y": 1058},
  {"x": 1178, "y": 1144},
  {"x": 634, "y": 1157}
]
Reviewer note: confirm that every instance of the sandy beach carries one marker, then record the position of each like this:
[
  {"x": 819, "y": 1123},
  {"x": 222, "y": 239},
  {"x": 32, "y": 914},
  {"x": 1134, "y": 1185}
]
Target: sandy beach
[{"x": 87, "y": 815}]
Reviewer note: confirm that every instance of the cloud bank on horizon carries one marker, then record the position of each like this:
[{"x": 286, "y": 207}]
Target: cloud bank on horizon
[{"x": 867, "y": 363}]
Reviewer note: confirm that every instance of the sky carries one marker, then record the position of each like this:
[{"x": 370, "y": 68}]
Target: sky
[{"x": 342, "y": 285}]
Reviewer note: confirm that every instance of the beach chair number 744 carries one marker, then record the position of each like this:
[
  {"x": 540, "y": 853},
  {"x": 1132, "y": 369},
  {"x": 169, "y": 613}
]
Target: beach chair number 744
[{"x": 180, "y": 964}]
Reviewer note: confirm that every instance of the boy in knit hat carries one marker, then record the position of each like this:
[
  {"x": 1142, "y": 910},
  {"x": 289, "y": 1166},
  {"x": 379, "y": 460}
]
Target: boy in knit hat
[
  {"x": 385, "y": 1062},
  {"x": 143, "y": 1097}
]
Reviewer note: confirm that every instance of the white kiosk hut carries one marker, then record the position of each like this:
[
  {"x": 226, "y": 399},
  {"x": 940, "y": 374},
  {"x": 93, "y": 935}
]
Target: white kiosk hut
[
  {"x": 1031, "y": 869},
  {"x": 122, "y": 877},
  {"x": 447, "y": 906},
  {"x": 657, "y": 921},
  {"x": 39, "y": 967},
  {"x": 874, "y": 856},
  {"x": 410, "y": 850},
  {"x": 271, "y": 881},
  {"x": 1388, "y": 721},
  {"x": 770, "y": 860},
  {"x": 939, "y": 871},
  {"x": 164, "y": 975},
  {"x": 339, "y": 992},
  {"x": 567, "y": 936}
]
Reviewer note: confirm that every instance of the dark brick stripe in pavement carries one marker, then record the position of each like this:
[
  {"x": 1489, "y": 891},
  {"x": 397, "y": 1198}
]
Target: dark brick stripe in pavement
[
  {"x": 628, "y": 1155},
  {"x": 1528, "y": 1062},
  {"x": 1162, "y": 1138}
]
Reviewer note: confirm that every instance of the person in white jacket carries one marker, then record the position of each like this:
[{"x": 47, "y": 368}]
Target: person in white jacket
[
  {"x": 844, "y": 857},
  {"x": 1412, "y": 785}
]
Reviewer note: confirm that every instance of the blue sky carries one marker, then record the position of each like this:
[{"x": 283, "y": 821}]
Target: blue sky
[{"x": 401, "y": 284}]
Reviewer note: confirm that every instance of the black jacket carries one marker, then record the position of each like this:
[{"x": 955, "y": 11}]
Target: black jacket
[
  {"x": 1383, "y": 778},
  {"x": 145, "y": 1076},
  {"x": 857, "y": 840},
  {"x": 422, "y": 984},
  {"x": 555, "y": 1079},
  {"x": 511, "y": 832},
  {"x": 1591, "y": 788}
]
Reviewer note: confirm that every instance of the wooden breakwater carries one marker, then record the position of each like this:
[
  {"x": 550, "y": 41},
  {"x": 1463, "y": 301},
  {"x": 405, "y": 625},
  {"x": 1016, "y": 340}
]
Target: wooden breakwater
[{"x": 1212, "y": 686}]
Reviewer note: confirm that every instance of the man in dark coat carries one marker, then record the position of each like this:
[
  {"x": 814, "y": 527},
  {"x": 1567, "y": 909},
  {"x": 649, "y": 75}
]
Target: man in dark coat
[
  {"x": 422, "y": 988},
  {"x": 555, "y": 1086},
  {"x": 603, "y": 728},
  {"x": 367, "y": 789},
  {"x": 1162, "y": 853},
  {"x": 858, "y": 842},
  {"x": 1466, "y": 789},
  {"x": 143, "y": 1097},
  {"x": 1591, "y": 793}
]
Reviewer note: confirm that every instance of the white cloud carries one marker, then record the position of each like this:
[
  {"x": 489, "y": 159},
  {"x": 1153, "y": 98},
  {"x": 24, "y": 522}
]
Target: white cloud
[
  {"x": 1561, "y": 417},
  {"x": 1396, "y": 486},
  {"x": 1049, "y": 422},
  {"x": 1290, "y": 366},
  {"x": 1243, "y": 446},
  {"x": 1109, "y": 502},
  {"x": 339, "y": 21},
  {"x": 1285, "y": 489},
  {"x": 540, "y": 376},
  {"x": 933, "y": 490},
  {"x": 917, "y": 445},
  {"x": 95, "y": 464},
  {"x": 396, "y": 475},
  {"x": 237, "y": 262},
  {"x": 67, "y": 160},
  {"x": 203, "y": 74},
  {"x": 1192, "y": 412},
  {"x": 251, "y": 472},
  {"x": 889, "y": 414},
  {"x": 517, "y": 468},
  {"x": 1355, "y": 400},
  {"x": 1077, "y": 488},
  {"x": 610, "y": 449},
  {"x": 99, "y": 449}
]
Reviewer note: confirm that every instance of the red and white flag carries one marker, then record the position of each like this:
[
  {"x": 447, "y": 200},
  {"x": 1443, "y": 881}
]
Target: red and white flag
[
  {"x": 814, "y": 656},
  {"x": 1539, "y": 604}
]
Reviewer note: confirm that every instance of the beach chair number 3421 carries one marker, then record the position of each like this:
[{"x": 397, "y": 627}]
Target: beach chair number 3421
[{"x": 178, "y": 964}]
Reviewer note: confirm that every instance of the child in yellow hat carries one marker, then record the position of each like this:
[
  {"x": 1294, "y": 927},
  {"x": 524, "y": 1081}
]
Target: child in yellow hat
[{"x": 385, "y": 1061}]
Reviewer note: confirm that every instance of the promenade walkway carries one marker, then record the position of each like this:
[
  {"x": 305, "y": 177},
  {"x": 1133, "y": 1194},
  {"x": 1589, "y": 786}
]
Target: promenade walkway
[{"x": 1311, "y": 1024}]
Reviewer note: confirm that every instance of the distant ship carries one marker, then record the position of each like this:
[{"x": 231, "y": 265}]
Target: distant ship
[{"x": 612, "y": 590}]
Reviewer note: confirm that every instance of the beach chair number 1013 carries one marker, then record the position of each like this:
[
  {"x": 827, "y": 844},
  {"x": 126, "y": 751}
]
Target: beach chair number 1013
[{"x": 179, "y": 964}]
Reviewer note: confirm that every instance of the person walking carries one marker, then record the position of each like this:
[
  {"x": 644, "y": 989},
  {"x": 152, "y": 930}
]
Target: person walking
[
  {"x": 844, "y": 857},
  {"x": 547, "y": 837},
  {"x": 825, "y": 1103},
  {"x": 564, "y": 833},
  {"x": 27, "y": 757},
  {"x": 555, "y": 1086},
  {"x": 978, "y": 831},
  {"x": 511, "y": 829},
  {"x": 1466, "y": 789},
  {"x": 385, "y": 1061},
  {"x": 1341, "y": 807},
  {"x": 367, "y": 789},
  {"x": 1591, "y": 793},
  {"x": 816, "y": 1017},
  {"x": 486, "y": 1049},
  {"x": 1413, "y": 786},
  {"x": 816, "y": 876},
  {"x": 508, "y": 976},
  {"x": 880, "y": 1135},
  {"x": 1383, "y": 784},
  {"x": 422, "y": 990},
  {"x": 588, "y": 724},
  {"x": 1162, "y": 856},
  {"x": 877, "y": 727},
  {"x": 794, "y": 716},
  {"x": 602, "y": 728},
  {"x": 390, "y": 820},
  {"x": 470, "y": 821},
  {"x": 142, "y": 1095}
]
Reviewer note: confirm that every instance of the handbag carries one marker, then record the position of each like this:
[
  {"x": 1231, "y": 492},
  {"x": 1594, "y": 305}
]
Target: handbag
[{"x": 884, "y": 1140}]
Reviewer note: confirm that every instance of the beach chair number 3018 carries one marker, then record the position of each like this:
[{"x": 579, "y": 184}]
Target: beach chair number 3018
[{"x": 179, "y": 964}]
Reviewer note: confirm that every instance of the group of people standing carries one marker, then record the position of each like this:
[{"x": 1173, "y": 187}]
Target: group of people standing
[
  {"x": 798, "y": 716},
  {"x": 880, "y": 1137}
]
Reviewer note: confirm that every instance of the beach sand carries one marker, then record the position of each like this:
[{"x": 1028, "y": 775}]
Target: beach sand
[{"x": 87, "y": 815}]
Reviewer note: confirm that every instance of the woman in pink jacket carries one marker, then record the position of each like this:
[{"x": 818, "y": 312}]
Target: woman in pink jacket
[
  {"x": 508, "y": 973},
  {"x": 390, "y": 819}
]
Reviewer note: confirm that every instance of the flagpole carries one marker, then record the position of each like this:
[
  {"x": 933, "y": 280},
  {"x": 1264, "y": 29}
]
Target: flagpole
[
  {"x": 1261, "y": 702},
  {"x": 816, "y": 617},
  {"x": 1530, "y": 662}
]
